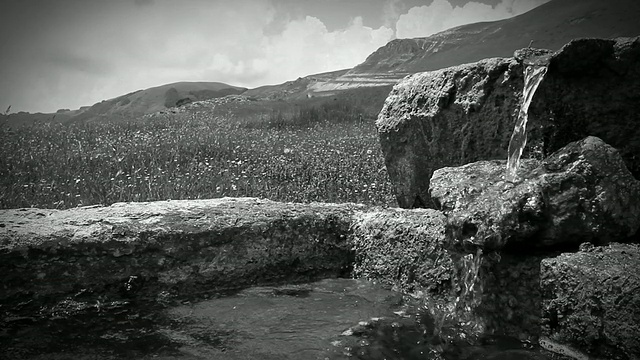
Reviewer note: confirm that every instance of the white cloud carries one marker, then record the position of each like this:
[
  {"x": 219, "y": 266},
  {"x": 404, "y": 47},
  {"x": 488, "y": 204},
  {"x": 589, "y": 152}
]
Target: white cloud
[
  {"x": 440, "y": 15},
  {"x": 100, "y": 50},
  {"x": 306, "y": 46}
]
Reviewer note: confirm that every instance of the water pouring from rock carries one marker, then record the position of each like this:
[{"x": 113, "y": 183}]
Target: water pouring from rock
[{"x": 533, "y": 75}]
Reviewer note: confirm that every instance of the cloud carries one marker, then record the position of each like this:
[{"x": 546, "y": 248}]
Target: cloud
[
  {"x": 143, "y": 2},
  {"x": 82, "y": 52},
  {"x": 421, "y": 21},
  {"x": 307, "y": 44},
  {"x": 391, "y": 11}
]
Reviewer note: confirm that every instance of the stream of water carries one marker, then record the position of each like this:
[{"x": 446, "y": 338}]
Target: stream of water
[{"x": 533, "y": 75}]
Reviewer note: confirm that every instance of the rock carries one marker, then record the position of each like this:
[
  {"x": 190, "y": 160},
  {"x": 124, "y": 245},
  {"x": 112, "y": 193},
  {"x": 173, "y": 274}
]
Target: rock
[
  {"x": 181, "y": 246},
  {"x": 403, "y": 248},
  {"x": 583, "y": 192},
  {"x": 408, "y": 250},
  {"x": 467, "y": 113},
  {"x": 591, "y": 301}
]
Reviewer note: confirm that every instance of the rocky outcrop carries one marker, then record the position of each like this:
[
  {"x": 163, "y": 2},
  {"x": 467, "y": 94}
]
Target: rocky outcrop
[
  {"x": 137, "y": 249},
  {"x": 591, "y": 301},
  {"x": 467, "y": 113},
  {"x": 582, "y": 192}
]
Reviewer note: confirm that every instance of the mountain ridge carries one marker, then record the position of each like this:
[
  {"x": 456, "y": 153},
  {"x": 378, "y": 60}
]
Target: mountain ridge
[{"x": 549, "y": 26}]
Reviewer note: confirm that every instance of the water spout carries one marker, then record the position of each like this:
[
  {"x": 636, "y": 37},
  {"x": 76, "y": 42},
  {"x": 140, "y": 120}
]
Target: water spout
[{"x": 533, "y": 75}]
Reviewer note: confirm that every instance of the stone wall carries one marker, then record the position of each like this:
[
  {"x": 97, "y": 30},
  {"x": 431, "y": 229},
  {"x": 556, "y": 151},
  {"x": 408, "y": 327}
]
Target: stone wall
[{"x": 135, "y": 249}]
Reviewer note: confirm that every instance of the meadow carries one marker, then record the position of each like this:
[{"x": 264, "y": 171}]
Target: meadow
[{"x": 326, "y": 152}]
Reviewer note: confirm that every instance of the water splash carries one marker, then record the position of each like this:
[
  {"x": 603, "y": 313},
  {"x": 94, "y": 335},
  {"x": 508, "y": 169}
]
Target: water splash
[
  {"x": 533, "y": 75},
  {"x": 467, "y": 291}
]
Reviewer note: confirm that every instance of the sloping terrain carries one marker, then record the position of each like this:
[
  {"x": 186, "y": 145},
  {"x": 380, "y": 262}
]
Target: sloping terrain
[
  {"x": 157, "y": 98},
  {"x": 295, "y": 89},
  {"x": 131, "y": 105},
  {"x": 549, "y": 26}
]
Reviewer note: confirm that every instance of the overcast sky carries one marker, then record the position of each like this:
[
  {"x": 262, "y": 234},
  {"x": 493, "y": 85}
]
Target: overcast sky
[{"x": 68, "y": 53}]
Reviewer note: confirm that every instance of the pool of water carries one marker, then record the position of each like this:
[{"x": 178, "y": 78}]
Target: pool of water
[{"x": 330, "y": 319}]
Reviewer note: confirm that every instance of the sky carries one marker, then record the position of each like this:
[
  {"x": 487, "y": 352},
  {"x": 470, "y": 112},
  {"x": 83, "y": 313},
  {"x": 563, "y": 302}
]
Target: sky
[{"x": 57, "y": 54}]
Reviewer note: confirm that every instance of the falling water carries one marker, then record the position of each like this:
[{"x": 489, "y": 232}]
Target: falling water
[
  {"x": 533, "y": 75},
  {"x": 467, "y": 292}
]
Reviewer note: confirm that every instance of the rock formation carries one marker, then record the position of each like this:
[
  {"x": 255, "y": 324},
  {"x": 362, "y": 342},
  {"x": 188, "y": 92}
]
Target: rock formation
[
  {"x": 583, "y": 192},
  {"x": 466, "y": 113},
  {"x": 591, "y": 300}
]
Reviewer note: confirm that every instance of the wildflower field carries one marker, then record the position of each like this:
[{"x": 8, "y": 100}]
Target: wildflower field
[{"x": 326, "y": 153}]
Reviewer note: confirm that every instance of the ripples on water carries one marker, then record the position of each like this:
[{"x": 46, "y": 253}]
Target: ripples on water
[{"x": 333, "y": 319}]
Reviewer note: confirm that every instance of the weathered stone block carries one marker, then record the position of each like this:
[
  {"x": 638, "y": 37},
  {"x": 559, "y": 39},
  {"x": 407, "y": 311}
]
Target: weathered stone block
[
  {"x": 591, "y": 300},
  {"x": 403, "y": 248},
  {"x": 184, "y": 246},
  {"x": 582, "y": 192}
]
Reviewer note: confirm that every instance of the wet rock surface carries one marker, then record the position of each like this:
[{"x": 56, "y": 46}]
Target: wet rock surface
[
  {"x": 410, "y": 251},
  {"x": 591, "y": 300},
  {"x": 132, "y": 250},
  {"x": 436, "y": 119},
  {"x": 467, "y": 113},
  {"x": 582, "y": 192},
  {"x": 403, "y": 248}
]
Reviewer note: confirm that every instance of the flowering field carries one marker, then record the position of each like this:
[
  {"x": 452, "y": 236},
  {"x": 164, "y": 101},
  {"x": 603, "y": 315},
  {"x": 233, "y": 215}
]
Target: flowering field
[{"x": 327, "y": 154}]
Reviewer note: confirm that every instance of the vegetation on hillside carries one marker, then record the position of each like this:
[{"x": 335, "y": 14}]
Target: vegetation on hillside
[{"x": 326, "y": 152}]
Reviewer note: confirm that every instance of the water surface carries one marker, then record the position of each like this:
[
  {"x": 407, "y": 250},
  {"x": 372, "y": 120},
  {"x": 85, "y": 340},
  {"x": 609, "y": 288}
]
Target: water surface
[{"x": 333, "y": 319}]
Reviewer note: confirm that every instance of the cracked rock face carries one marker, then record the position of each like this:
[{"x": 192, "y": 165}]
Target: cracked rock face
[
  {"x": 467, "y": 113},
  {"x": 582, "y": 192}
]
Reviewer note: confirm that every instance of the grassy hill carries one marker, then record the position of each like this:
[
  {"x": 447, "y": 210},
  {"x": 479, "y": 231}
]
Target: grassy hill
[
  {"x": 132, "y": 105},
  {"x": 155, "y": 99}
]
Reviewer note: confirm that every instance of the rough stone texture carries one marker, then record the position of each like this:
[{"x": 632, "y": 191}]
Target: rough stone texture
[
  {"x": 408, "y": 249},
  {"x": 466, "y": 113},
  {"x": 511, "y": 300},
  {"x": 436, "y": 119},
  {"x": 183, "y": 246},
  {"x": 591, "y": 300},
  {"x": 582, "y": 192},
  {"x": 403, "y": 248}
]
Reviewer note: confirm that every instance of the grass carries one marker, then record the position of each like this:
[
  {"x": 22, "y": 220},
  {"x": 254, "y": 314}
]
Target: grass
[{"x": 326, "y": 152}]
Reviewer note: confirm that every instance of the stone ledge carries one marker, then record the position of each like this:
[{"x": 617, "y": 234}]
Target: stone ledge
[{"x": 184, "y": 246}]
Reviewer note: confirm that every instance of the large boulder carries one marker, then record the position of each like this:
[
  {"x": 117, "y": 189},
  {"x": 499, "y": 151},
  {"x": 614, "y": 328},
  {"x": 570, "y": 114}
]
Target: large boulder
[
  {"x": 467, "y": 113},
  {"x": 591, "y": 302},
  {"x": 582, "y": 192}
]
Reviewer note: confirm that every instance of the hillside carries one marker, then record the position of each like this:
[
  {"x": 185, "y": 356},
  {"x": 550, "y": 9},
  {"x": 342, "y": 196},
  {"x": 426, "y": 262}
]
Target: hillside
[
  {"x": 156, "y": 99},
  {"x": 131, "y": 105},
  {"x": 549, "y": 26}
]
